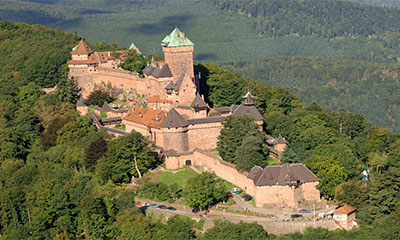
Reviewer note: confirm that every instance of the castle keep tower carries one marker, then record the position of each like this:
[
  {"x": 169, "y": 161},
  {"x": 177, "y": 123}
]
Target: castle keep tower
[
  {"x": 81, "y": 51},
  {"x": 178, "y": 53}
]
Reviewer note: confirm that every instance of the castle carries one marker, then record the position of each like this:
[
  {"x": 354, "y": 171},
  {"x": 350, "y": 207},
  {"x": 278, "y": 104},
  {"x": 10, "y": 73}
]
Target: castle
[{"x": 176, "y": 118}]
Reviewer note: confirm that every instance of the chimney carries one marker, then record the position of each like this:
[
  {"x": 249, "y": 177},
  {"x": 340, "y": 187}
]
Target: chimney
[
  {"x": 157, "y": 117},
  {"x": 183, "y": 36},
  {"x": 140, "y": 115}
]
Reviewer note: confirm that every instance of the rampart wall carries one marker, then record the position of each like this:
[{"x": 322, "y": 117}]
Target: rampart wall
[
  {"x": 204, "y": 136},
  {"x": 310, "y": 191},
  {"x": 262, "y": 195}
]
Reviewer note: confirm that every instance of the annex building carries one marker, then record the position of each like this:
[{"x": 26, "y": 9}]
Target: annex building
[{"x": 173, "y": 114}]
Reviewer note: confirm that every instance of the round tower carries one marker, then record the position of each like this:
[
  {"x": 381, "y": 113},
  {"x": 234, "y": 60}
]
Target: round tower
[{"x": 175, "y": 132}]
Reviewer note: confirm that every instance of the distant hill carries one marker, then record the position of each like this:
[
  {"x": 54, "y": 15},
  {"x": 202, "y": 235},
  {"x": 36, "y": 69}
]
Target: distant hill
[
  {"x": 237, "y": 31},
  {"x": 387, "y": 3},
  {"x": 218, "y": 35},
  {"x": 368, "y": 88}
]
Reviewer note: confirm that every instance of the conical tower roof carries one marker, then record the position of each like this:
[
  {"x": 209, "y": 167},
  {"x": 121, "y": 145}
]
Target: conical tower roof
[
  {"x": 176, "y": 39},
  {"x": 174, "y": 120},
  {"x": 82, "y": 49},
  {"x": 132, "y": 47},
  {"x": 198, "y": 102}
]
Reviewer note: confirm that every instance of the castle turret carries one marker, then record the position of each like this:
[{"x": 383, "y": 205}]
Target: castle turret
[
  {"x": 81, "y": 51},
  {"x": 175, "y": 131},
  {"x": 178, "y": 53}
]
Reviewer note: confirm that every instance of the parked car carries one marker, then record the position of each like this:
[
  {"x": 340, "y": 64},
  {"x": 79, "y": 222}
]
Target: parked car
[
  {"x": 153, "y": 205},
  {"x": 144, "y": 204},
  {"x": 237, "y": 190},
  {"x": 138, "y": 203},
  {"x": 296, "y": 216},
  {"x": 246, "y": 197},
  {"x": 171, "y": 208},
  {"x": 304, "y": 210},
  {"x": 162, "y": 207}
]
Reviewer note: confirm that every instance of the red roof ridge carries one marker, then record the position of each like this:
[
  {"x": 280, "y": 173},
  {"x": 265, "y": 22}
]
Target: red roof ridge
[
  {"x": 82, "y": 49},
  {"x": 346, "y": 209}
]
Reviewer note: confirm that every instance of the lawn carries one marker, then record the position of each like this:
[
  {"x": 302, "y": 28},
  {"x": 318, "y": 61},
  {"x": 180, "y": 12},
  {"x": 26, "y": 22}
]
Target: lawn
[
  {"x": 272, "y": 161},
  {"x": 180, "y": 177}
]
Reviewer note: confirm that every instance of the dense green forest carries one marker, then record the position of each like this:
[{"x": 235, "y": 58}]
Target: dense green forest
[
  {"x": 367, "y": 88},
  {"x": 219, "y": 35},
  {"x": 61, "y": 178},
  {"x": 230, "y": 35},
  {"x": 388, "y": 3},
  {"x": 330, "y": 18}
]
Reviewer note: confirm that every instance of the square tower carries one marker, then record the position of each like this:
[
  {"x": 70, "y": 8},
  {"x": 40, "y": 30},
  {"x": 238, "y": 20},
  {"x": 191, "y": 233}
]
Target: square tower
[{"x": 178, "y": 53}]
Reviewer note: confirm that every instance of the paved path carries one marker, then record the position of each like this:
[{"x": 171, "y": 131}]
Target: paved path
[
  {"x": 271, "y": 225},
  {"x": 278, "y": 213}
]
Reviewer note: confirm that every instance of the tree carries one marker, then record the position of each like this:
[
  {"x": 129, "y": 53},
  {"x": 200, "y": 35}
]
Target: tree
[
  {"x": 384, "y": 194},
  {"x": 232, "y": 135},
  {"x": 330, "y": 173},
  {"x": 94, "y": 217},
  {"x": 223, "y": 88},
  {"x": 353, "y": 193},
  {"x": 228, "y": 230},
  {"x": 98, "y": 97},
  {"x": 134, "y": 62},
  {"x": 28, "y": 94},
  {"x": 250, "y": 153},
  {"x": 118, "y": 164},
  {"x": 378, "y": 162},
  {"x": 94, "y": 152},
  {"x": 133, "y": 225},
  {"x": 67, "y": 90},
  {"x": 177, "y": 227},
  {"x": 49, "y": 136},
  {"x": 204, "y": 190}
]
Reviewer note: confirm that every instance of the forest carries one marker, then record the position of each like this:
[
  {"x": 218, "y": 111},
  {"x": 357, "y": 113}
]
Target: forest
[
  {"x": 330, "y": 19},
  {"x": 61, "y": 178},
  {"x": 366, "y": 88}
]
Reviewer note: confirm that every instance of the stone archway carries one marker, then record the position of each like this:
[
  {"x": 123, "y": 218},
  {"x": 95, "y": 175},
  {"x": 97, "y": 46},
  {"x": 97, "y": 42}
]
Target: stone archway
[{"x": 188, "y": 162}]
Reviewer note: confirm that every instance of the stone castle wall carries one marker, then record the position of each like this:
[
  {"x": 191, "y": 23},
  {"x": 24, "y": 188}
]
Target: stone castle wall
[
  {"x": 190, "y": 113},
  {"x": 310, "y": 191},
  {"x": 204, "y": 136},
  {"x": 275, "y": 194},
  {"x": 214, "y": 164},
  {"x": 262, "y": 195},
  {"x": 89, "y": 77}
]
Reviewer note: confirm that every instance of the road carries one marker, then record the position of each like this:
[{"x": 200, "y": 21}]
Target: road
[
  {"x": 279, "y": 213},
  {"x": 270, "y": 225}
]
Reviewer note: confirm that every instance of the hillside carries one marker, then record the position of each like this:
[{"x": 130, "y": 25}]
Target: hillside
[
  {"x": 35, "y": 54},
  {"x": 61, "y": 178},
  {"x": 218, "y": 35},
  {"x": 368, "y": 88},
  {"x": 387, "y": 3}
]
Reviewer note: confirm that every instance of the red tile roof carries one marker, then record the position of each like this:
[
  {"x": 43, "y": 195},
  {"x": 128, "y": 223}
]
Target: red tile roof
[
  {"x": 82, "y": 49},
  {"x": 148, "y": 117},
  {"x": 346, "y": 209},
  {"x": 156, "y": 98},
  {"x": 82, "y": 61}
]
